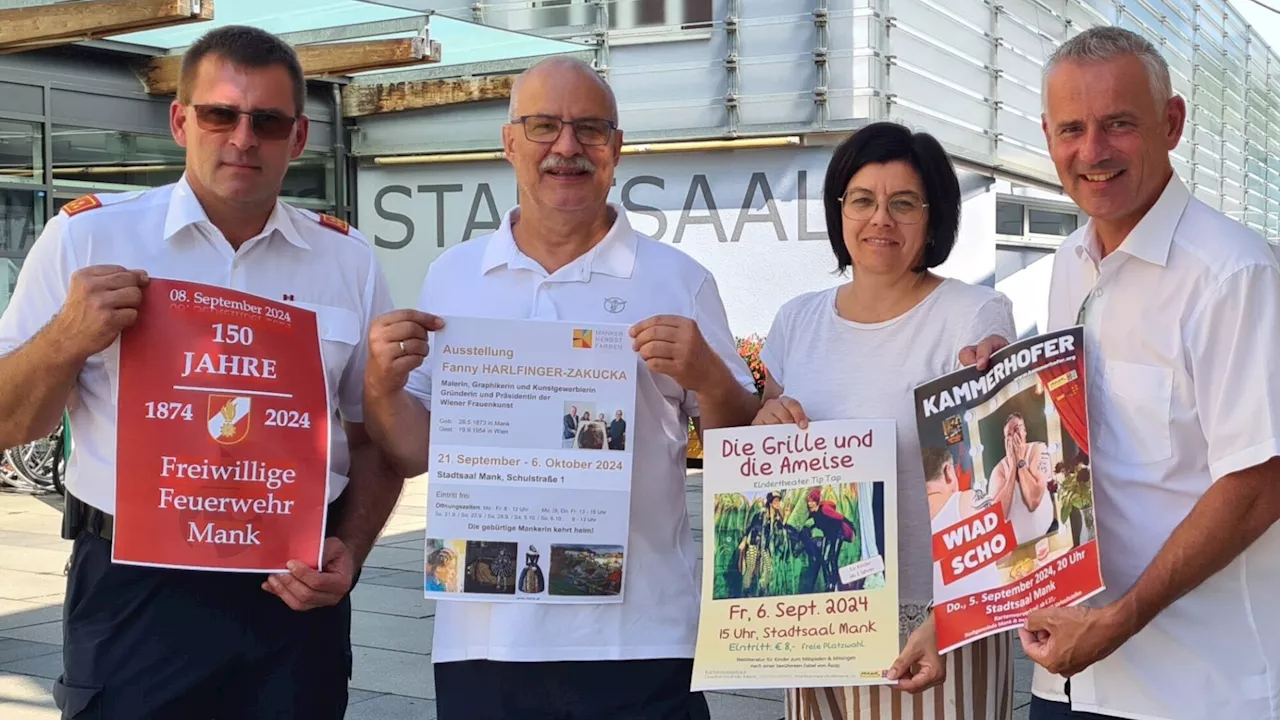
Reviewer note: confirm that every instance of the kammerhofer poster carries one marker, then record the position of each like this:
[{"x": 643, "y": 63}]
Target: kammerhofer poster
[{"x": 1006, "y": 464}]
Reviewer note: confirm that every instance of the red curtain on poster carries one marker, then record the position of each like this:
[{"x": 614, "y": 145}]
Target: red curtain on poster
[{"x": 1069, "y": 400}]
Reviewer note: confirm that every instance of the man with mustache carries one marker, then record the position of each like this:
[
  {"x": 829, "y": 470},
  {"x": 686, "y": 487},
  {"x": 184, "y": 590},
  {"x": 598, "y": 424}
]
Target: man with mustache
[
  {"x": 566, "y": 253},
  {"x": 1181, "y": 310},
  {"x": 159, "y": 643}
]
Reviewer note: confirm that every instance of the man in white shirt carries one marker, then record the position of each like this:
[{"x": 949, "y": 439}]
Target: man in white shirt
[
  {"x": 567, "y": 254},
  {"x": 153, "y": 642},
  {"x": 1181, "y": 309}
]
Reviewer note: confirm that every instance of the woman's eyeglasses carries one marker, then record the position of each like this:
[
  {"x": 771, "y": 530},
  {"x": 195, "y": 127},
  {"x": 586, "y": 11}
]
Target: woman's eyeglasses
[
  {"x": 907, "y": 209},
  {"x": 267, "y": 125}
]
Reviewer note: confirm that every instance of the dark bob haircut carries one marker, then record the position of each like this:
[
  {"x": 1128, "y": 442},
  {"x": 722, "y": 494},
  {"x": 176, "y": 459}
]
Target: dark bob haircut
[{"x": 885, "y": 142}]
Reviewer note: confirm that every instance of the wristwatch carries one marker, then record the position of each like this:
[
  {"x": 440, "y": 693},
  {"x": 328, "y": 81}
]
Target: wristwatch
[{"x": 1022, "y": 464}]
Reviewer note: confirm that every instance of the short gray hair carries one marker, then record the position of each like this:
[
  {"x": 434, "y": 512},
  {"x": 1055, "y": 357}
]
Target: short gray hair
[
  {"x": 1107, "y": 42},
  {"x": 561, "y": 62}
]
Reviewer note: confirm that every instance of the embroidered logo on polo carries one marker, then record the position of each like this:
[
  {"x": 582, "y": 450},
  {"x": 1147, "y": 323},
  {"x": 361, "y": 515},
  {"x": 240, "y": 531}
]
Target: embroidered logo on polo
[{"x": 614, "y": 305}]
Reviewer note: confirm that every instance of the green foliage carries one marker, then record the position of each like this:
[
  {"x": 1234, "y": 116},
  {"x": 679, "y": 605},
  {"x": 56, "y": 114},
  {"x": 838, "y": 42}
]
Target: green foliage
[{"x": 779, "y": 563}]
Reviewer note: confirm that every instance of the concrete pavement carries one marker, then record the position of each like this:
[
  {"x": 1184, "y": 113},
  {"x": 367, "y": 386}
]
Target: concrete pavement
[{"x": 391, "y": 626}]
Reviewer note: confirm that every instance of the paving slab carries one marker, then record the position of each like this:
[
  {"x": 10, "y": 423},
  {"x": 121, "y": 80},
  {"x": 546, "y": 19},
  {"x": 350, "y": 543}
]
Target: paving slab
[
  {"x": 396, "y": 578},
  {"x": 384, "y": 556},
  {"x": 393, "y": 707},
  {"x": 22, "y": 585},
  {"x": 737, "y": 707},
  {"x": 29, "y": 559},
  {"x": 22, "y": 613},
  {"x": 392, "y": 632},
  {"x": 23, "y": 697},
  {"x": 12, "y": 650},
  {"x": 50, "y": 633},
  {"x": 391, "y": 600},
  {"x": 46, "y": 665},
  {"x": 397, "y": 673}
]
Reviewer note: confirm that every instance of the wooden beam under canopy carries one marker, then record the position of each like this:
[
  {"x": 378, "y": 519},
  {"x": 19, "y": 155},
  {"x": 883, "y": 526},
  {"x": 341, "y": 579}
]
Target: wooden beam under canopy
[
  {"x": 160, "y": 75},
  {"x": 360, "y": 99},
  {"x": 40, "y": 26}
]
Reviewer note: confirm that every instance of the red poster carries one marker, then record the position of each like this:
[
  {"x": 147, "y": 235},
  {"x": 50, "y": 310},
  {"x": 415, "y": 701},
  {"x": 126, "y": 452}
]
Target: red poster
[
  {"x": 1005, "y": 454},
  {"x": 222, "y": 432}
]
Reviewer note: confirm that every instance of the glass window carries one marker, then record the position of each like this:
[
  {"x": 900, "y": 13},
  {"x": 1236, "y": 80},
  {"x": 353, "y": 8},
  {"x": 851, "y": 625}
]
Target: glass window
[
  {"x": 21, "y": 219},
  {"x": 1010, "y": 260},
  {"x": 1044, "y": 222},
  {"x": 9, "y": 267},
  {"x": 21, "y": 152},
  {"x": 111, "y": 159},
  {"x": 309, "y": 182},
  {"x": 1009, "y": 218},
  {"x": 89, "y": 159},
  {"x": 627, "y": 14}
]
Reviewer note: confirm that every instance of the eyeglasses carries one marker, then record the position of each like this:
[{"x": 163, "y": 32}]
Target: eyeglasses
[
  {"x": 906, "y": 208},
  {"x": 267, "y": 124},
  {"x": 546, "y": 129}
]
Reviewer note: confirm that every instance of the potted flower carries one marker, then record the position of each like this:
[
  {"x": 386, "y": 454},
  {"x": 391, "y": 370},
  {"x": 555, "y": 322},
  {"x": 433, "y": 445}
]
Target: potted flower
[
  {"x": 749, "y": 349},
  {"x": 1072, "y": 484}
]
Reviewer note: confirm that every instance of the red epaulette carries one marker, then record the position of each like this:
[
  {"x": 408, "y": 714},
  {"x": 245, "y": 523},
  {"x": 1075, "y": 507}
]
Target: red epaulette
[
  {"x": 334, "y": 223},
  {"x": 81, "y": 204}
]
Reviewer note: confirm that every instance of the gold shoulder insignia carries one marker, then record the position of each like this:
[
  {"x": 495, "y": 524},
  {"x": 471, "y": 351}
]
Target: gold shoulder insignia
[
  {"x": 330, "y": 221},
  {"x": 81, "y": 204}
]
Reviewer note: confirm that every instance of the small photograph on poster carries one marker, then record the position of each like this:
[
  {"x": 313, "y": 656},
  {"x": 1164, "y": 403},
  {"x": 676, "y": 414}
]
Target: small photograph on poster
[
  {"x": 795, "y": 541},
  {"x": 491, "y": 568},
  {"x": 586, "y": 428},
  {"x": 533, "y": 579},
  {"x": 586, "y": 570},
  {"x": 1017, "y": 464},
  {"x": 443, "y": 558}
]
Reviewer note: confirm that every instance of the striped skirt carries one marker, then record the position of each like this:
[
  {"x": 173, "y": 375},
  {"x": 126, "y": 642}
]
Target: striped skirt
[{"x": 979, "y": 686}]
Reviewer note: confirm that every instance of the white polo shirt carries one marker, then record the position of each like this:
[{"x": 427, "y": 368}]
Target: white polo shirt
[
  {"x": 1182, "y": 330},
  {"x": 625, "y": 278},
  {"x": 166, "y": 232}
]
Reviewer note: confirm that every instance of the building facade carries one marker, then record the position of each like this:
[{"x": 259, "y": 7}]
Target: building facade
[{"x": 730, "y": 109}]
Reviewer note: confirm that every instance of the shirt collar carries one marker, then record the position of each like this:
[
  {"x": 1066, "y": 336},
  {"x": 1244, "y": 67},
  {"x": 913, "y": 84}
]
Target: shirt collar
[
  {"x": 185, "y": 210},
  {"x": 1152, "y": 237},
  {"x": 614, "y": 255}
]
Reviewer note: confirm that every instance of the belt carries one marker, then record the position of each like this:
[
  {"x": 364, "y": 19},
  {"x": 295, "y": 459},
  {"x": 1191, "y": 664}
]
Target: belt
[{"x": 98, "y": 523}]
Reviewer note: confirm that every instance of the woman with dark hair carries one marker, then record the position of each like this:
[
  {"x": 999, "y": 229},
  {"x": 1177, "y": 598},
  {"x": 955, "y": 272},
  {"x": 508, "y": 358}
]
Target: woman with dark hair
[{"x": 858, "y": 351}]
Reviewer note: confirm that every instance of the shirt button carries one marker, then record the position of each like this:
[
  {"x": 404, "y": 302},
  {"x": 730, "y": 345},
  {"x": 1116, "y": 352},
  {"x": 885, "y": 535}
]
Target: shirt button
[{"x": 1097, "y": 293}]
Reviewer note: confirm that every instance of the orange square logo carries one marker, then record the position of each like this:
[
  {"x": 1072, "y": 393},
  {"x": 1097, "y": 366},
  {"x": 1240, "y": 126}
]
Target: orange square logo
[{"x": 582, "y": 339}]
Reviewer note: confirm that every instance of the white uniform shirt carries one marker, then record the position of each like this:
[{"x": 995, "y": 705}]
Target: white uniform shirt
[
  {"x": 625, "y": 278},
  {"x": 166, "y": 232},
  {"x": 1182, "y": 326}
]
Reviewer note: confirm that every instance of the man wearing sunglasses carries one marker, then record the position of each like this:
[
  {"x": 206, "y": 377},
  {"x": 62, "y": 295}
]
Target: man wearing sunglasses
[
  {"x": 566, "y": 253},
  {"x": 156, "y": 643}
]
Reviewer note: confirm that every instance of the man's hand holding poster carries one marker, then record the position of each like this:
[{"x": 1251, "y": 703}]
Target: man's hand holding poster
[
  {"x": 1006, "y": 463},
  {"x": 222, "y": 432}
]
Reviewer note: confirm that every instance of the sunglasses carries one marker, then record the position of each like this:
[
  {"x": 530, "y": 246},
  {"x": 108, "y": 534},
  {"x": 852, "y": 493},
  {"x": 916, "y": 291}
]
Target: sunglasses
[{"x": 267, "y": 125}]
